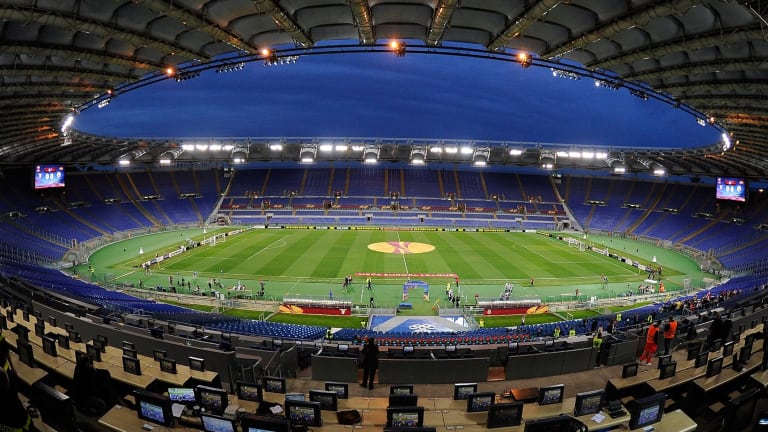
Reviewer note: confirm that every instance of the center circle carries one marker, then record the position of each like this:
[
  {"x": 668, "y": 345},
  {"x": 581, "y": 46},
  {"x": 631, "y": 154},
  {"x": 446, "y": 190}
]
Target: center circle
[{"x": 402, "y": 248}]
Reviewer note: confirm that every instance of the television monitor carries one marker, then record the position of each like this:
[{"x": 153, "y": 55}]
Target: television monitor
[
  {"x": 731, "y": 189},
  {"x": 22, "y": 332},
  {"x": 736, "y": 336},
  {"x": 514, "y": 347},
  {"x": 212, "y": 423},
  {"x": 714, "y": 366},
  {"x": 629, "y": 370},
  {"x": 477, "y": 402},
  {"x": 400, "y": 400},
  {"x": 128, "y": 345},
  {"x": 3, "y": 323},
  {"x": 273, "y": 384},
  {"x": 168, "y": 365},
  {"x": 693, "y": 351},
  {"x": 341, "y": 389},
  {"x": 249, "y": 391},
  {"x": 93, "y": 352},
  {"x": 153, "y": 407},
  {"x": 130, "y": 352},
  {"x": 226, "y": 337},
  {"x": 342, "y": 348},
  {"x": 257, "y": 423},
  {"x": 68, "y": 326},
  {"x": 63, "y": 341},
  {"x": 728, "y": 348},
  {"x": 49, "y": 346},
  {"x": 131, "y": 365},
  {"x": 753, "y": 324},
  {"x": 103, "y": 339},
  {"x": 668, "y": 370},
  {"x": 401, "y": 389},
  {"x": 52, "y": 321},
  {"x": 171, "y": 328},
  {"x": 462, "y": 390},
  {"x": 646, "y": 411},
  {"x": 590, "y": 402},
  {"x": 745, "y": 353},
  {"x": 716, "y": 345},
  {"x": 213, "y": 399},
  {"x": 504, "y": 414},
  {"x": 450, "y": 348},
  {"x": 277, "y": 344},
  {"x": 39, "y": 329},
  {"x": 561, "y": 423},
  {"x": 56, "y": 409},
  {"x": 156, "y": 332},
  {"x": 99, "y": 345},
  {"x": 701, "y": 359},
  {"x": 664, "y": 359},
  {"x": 749, "y": 339},
  {"x": 74, "y": 336},
  {"x": 196, "y": 364},
  {"x": 181, "y": 395},
  {"x": 49, "y": 176},
  {"x": 740, "y": 410},
  {"x": 158, "y": 354},
  {"x": 295, "y": 396},
  {"x": 405, "y": 417},
  {"x": 304, "y": 413},
  {"x": 551, "y": 394},
  {"x": 328, "y": 399},
  {"x": 25, "y": 353},
  {"x": 408, "y": 349}
]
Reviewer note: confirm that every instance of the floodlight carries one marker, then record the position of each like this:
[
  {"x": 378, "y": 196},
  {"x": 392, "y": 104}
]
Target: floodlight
[
  {"x": 418, "y": 155},
  {"x": 451, "y": 150},
  {"x": 326, "y": 147},
  {"x": 276, "y": 147},
  {"x": 371, "y": 154},
  {"x": 515, "y": 152},
  {"x": 481, "y": 156},
  {"x": 307, "y": 153},
  {"x": 547, "y": 160},
  {"x": 466, "y": 150}
]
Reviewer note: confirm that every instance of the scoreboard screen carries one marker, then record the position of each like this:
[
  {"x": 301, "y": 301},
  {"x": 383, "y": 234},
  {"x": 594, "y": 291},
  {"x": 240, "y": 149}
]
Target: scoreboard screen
[
  {"x": 49, "y": 176},
  {"x": 731, "y": 189}
]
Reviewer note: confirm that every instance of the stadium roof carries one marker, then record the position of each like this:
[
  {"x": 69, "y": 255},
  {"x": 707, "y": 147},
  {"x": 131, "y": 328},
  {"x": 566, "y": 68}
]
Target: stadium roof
[{"x": 62, "y": 56}]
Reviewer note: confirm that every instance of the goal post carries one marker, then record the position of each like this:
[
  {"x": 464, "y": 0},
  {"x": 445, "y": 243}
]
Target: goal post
[{"x": 578, "y": 244}]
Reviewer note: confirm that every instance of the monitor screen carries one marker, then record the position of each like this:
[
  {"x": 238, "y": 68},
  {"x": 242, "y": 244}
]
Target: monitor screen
[
  {"x": 217, "y": 424},
  {"x": 731, "y": 189},
  {"x": 561, "y": 423},
  {"x": 341, "y": 389},
  {"x": 327, "y": 399},
  {"x": 23, "y": 333},
  {"x": 158, "y": 354},
  {"x": 49, "y": 346},
  {"x": 589, "y": 402},
  {"x": 168, "y": 365},
  {"x": 450, "y": 348},
  {"x": 745, "y": 353},
  {"x": 664, "y": 360},
  {"x": 103, "y": 339},
  {"x": 153, "y": 407},
  {"x": 129, "y": 345},
  {"x": 181, "y": 395},
  {"x": 63, "y": 341},
  {"x": 407, "y": 349},
  {"x": 701, "y": 359},
  {"x": 39, "y": 329},
  {"x": 342, "y": 348},
  {"x": 25, "y": 353},
  {"x": 714, "y": 366},
  {"x": 695, "y": 349},
  {"x": 295, "y": 396},
  {"x": 629, "y": 370},
  {"x": 400, "y": 400},
  {"x": 274, "y": 384},
  {"x": 131, "y": 365},
  {"x": 551, "y": 394},
  {"x": 462, "y": 390},
  {"x": 197, "y": 364},
  {"x": 212, "y": 399},
  {"x": 668, "y": 370},
  {"x": 401, "y": 389},
  {"x": 74, "y": 336},
  {"x": 93, "y": 352},
  {"x": 52, "y": 321},
  {"x": 504, "y": 414},
  {"x": 728, "y": 348},
  {"x": 477, "y": 402},
  {"x": 255, "y": 423},
  {"x": 277, "y": 343},
  {"x": 303, "y": 413},
  {"x": 249, "y": 391},
  {"x": 646, "y": 411},
  {"x": 405, "y": 417},
  {"x": 49, "y": 176},
  {"x": 68, "y": 326},
  {"x": 99, "y": 345}
]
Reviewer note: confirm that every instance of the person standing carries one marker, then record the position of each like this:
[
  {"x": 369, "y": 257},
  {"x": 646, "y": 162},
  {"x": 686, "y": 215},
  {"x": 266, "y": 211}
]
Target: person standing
[
  {"x": 651, "y": 344},
  {"x": 15, "y": 417},
  {"x": 669, "y": 333},
  {"x": 370, "y": 362}
]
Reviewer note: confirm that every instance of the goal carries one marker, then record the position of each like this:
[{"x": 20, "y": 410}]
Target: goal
[{"x": 572, "y": 242}]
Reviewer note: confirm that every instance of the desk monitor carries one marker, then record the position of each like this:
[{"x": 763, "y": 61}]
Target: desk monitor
[
  {"x": 745, "y": 353},
  {"x": 153, "y": 407},
  {"x": 328, "y": 399},
  {"x": 462, "y": 390},
  {"x": 3, "y": 323},
  {"x": 740, "y": 410},
  {"x": 665, "y": 360},
  {"x": 400, "y": 400},
  {"x": 401, "y": 389},
  {"x": 74, "y": 336},
  {"x": 158, "y": 354},
  {"x": 342, "y": 348},
  {"x": 184, "y": 396},
  {"x": 168, "y": 365},
  {"x": 99, "y": 345},
  {"x": 514, "y": 347},
  {"x": 171, "y": 328},
  {"x": 63, "y": 341},
  {"x": 714, "y": 366},
  {"x": 212, "y": 399},
  {"x": 692, "y": 351},
  {"x": 103, "y": 339},
  {"x": 68, "y": 327},
  {"x": 303, "y": 413},
  {"x": 504, "y": 414},
  {"x": 477, "y": 402},
  {"x": 701, "y": 359},
  {"x": 196, "y": 364},
  {"x": 131, "y": 365},
  {"x": 273, "y": 384},
  {"x": 56, "y": 409},
  {"x": 40, "y": 329},
  {"x": 405, "y": 417},
  {"x": 128, "y": 345},
  {"x": 646, "y": 411},
  {"x": 256, "y": 423},
  {"x": 590, "y": 402},
  {"x": 93, "y": 352},
  {"x": 716, "y": 345},
  {"x": 130, "y": 353},
  {"x": 668, "y": 370},
  {"x": 341, "y": 389},
  {"x": 22, "y": 332},
  {"x": 295, "y": 396},
  {"x": 561, "y": 423},
  {"x": 728, "y": 348},
  {"x": 736, "y": 336},
  {"x": 551, "y": 394},
  {"x": 52, "y": 321},
  {"x": 450, "y": 349},
  {"x": 249, "y": 391},
  {"x": 408, "y": 349},
  {"x": 212, "y": 423},
  {"x": 629, "y": 370},
  {"x": 156, "y": 332},
  {"x": 25, "y": 353},
  {"x": 49, "y": 346}
]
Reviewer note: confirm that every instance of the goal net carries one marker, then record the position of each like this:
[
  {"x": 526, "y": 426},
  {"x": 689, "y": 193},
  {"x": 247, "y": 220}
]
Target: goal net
[{"x": 572, "y": 242}]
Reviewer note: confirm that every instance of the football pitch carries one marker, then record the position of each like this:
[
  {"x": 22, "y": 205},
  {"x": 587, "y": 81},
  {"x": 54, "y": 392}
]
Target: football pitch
[{"x": 312, "y": 263}]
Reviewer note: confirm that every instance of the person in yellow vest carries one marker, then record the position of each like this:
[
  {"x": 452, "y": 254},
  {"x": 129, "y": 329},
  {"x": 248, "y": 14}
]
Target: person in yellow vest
[
  {"x": 557, "y": 332},
  {"x": 597, "y": 343},
  {"x": 572, "y": 332}
]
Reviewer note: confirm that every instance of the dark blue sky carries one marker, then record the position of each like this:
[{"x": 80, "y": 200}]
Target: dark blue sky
[{"x": 381, "y": 95}]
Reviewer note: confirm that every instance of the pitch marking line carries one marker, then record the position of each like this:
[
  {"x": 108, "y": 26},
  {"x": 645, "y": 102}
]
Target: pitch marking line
[{"x": 279, "y": 243}]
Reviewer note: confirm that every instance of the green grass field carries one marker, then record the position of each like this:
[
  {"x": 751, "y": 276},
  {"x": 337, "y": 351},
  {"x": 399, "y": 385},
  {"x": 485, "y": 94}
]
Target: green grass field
[{"x": 310, "y": 263}]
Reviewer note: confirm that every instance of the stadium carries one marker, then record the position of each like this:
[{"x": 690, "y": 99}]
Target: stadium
[{"x": 236, "y": 272}]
